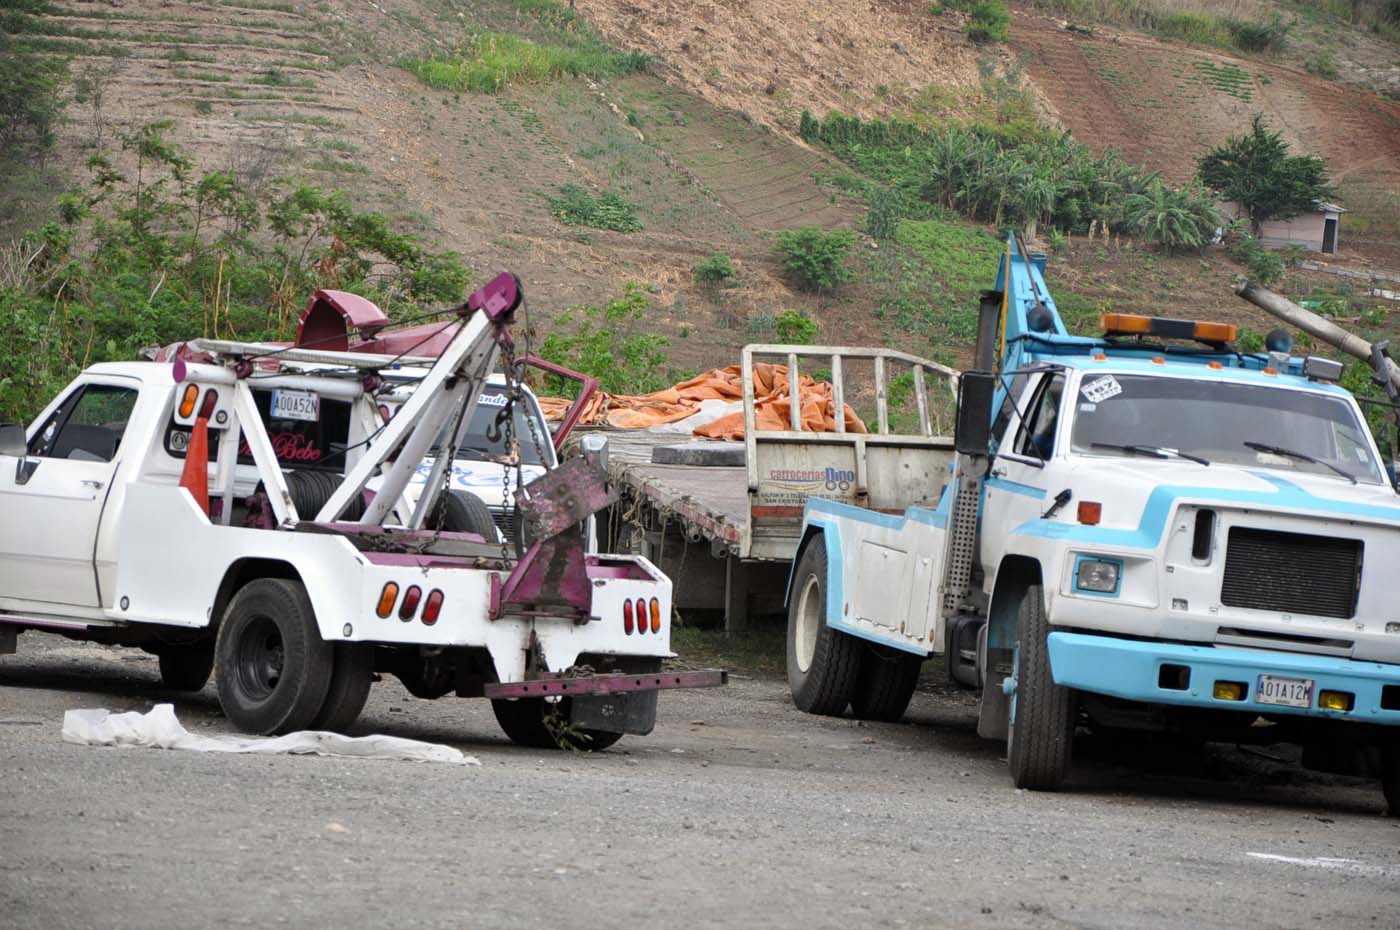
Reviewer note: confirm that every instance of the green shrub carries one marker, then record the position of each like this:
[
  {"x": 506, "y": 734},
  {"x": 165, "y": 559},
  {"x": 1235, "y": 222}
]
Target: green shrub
[
  {"x": 1196, "y": 28},
  {"x": 1269, "y": 36},
  {"x": 814, "y": 257},
  {"x": 808, "y": 127},
  {"x": 492, "y": 60},
  {"x": 714, "y": 270},
  {"x": 988, "y": 21},
  {"x": 577, "y": 207},
  {"x": 1323, "y": 65},
  {"x": 609, "y": 343},
  {"x": 885, "y": 212},
  {"x": 1263, "y": 266},
  {"x": 795, "y": 328}
]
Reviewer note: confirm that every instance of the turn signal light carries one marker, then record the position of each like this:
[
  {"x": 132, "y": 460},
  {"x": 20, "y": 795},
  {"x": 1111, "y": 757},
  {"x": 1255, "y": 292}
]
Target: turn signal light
[
  {"x": 187, "y": 400},
  {"x": 1336, "y": 700},
  {"x": 409, "y": 607},
  {"x": 432, "y": 607},
  {"x": 387, "y": 597},
  {"x": 655, "y": 615},
  {"x": 1090, "y": 512},
  {"x": 627, "y": 617},
  {"x": 1229, "y": 691}
]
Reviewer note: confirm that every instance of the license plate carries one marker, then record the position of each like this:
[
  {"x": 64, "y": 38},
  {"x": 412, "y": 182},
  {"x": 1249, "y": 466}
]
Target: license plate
[
  {"x": 1290, "y": 692},
  {"x": 295, "y": 405}
]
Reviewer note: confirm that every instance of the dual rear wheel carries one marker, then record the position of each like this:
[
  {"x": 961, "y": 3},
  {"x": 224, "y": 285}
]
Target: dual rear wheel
[{"x": 828, "y": 670}]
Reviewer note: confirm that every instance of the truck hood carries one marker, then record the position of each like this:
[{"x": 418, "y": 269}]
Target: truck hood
[{"x": 1132, "y": 489}]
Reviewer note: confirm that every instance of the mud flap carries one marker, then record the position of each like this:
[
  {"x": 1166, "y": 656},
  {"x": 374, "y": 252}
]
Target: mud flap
[
  {"x": 628, "y": 712},
  {"x": 9, "y": 636}
]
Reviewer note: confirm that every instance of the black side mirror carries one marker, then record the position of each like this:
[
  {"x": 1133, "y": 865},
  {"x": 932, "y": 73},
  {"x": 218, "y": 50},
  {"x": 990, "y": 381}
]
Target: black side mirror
[
  {"x": 973, "y": 433},
  {"x": 12, "y": 440}
]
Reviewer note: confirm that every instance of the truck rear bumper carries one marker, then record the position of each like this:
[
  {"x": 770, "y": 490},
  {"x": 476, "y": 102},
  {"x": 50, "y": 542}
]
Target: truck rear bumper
[
  {"x": 561, "y": 686},
  {"x": 1134, "y": 670}
]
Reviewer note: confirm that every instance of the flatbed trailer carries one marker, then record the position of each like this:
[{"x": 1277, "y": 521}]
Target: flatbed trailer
[{"x": 726, "y": 532}]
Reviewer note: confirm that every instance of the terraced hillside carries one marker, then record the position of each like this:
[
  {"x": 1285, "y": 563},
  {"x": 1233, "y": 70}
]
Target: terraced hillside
[{"x": 703, "y": 144}]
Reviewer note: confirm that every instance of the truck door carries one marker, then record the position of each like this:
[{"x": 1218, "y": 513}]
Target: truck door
[
  {"x": 1015, "y": 488},
  {"x": 51, "y": 500}
]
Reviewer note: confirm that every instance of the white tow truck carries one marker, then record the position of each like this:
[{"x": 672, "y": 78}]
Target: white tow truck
[
  {"x": 106, "y": 535},
  {"x": 1146, "y": 530}
]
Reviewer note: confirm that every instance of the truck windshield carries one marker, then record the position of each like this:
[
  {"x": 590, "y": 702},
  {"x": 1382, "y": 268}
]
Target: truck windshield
[
  {"x": 476, "y": 445},
  {"x": 1216, "y": 419}
]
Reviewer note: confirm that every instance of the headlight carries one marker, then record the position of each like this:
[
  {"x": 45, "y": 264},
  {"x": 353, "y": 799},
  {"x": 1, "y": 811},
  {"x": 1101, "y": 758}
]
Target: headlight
[{"x": 1097, "y": 575}]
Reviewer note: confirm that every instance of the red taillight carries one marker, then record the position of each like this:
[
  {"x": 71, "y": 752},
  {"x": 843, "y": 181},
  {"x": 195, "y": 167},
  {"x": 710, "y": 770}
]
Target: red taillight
[
  {"x": 409, "y": 607},
  {"x": 211, "y": 400},
  {"x": 641, "y": 615},
  {"x": 387, "y": 597},
  {"x": 432, "y": 607},
  {"x": 655, "y": 615},
  {"x": 627, "y": 617}
]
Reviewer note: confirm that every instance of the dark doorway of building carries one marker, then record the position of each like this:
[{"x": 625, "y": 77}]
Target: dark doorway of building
[{"x": 1329, "y": 236}]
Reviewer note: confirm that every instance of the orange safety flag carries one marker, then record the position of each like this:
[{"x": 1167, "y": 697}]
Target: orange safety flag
[
  {"x": 195, "y": 477},
  {"x": 772, "y": 406}
]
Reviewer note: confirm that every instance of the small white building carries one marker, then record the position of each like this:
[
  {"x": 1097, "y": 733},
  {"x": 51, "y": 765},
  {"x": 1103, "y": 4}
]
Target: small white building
[{"x": 1316, "y": 231}]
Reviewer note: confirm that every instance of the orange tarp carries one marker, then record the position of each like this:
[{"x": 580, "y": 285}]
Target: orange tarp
[{"x": 771, "y": 404}]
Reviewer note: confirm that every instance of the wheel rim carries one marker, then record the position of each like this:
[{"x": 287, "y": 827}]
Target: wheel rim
[
  {"x": 260, "y": 658},
  {"x": 808, "y": 623}
]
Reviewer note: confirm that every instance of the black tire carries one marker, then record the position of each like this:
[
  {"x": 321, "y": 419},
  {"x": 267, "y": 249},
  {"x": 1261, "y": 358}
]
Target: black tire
[
  {"x": 1040, "y": 734},
  {"x": 822, "y": 663},
  {"x": 884, "y": 683},
  {"x": 523, "y": 720},
  {"x": 349, "y": 688},
  {"x": 186, "y": 667},
  {"x": 461, "y": 512},
  {"x": 274, "y": 668},
  {"x": 1390, "y": 777}
]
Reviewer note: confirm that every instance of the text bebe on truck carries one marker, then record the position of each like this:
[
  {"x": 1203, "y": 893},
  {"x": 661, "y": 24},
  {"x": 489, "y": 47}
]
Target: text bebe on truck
[
  {"x": 103, "y": 537},
  {"x": 1143, "y": 530}
]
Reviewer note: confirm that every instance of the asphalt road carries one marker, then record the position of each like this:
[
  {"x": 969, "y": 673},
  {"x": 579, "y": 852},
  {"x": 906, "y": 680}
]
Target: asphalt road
[{"x": 737, "y": 812}]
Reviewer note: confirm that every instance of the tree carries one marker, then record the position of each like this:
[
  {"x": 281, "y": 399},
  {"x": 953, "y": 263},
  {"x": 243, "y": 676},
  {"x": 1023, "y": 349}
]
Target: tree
[
  {"x": 1256, "y": 172},
  {"x": 30, "y": 100}
]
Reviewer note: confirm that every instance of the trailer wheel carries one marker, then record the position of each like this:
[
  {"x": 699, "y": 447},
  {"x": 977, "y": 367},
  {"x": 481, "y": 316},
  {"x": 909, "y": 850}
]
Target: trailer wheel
[
  {"x": 351, "y": 676},
  {"x": 822, "y": 663},
  {"x": 1040, "y": 732},
  {"x": 1390, "y": 777},
  {"x": 186, "y": 667},
  {"x": 274, "y": 669},
  {"x": 885, "y": 683},
  {"x": 527, "y": 721}
]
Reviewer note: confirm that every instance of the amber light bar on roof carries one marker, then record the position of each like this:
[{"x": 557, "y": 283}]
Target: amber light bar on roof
[{"x": 1128, "y": 324}]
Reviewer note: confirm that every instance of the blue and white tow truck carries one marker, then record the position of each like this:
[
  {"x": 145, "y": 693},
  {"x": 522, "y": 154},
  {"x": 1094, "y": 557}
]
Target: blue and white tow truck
[{"x": 1143, "y": 530}]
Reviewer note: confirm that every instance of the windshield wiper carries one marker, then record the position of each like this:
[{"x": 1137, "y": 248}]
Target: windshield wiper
[
  {"x": 1293, "y": 454},
  {"x": 1159, "y": 452}
]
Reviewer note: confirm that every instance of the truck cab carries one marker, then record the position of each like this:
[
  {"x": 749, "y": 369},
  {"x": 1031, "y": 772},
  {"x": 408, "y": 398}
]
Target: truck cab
[{"x": 1147, "y": 529}]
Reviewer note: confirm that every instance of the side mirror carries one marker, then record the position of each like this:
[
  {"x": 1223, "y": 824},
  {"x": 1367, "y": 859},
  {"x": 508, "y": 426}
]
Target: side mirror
[
  {"x": 12, "y": 440},
  {"x": 973, "y": 433}
]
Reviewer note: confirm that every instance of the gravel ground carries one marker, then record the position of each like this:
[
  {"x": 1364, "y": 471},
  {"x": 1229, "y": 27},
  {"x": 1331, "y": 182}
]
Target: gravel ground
[{"x": 737, "y": 812}]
